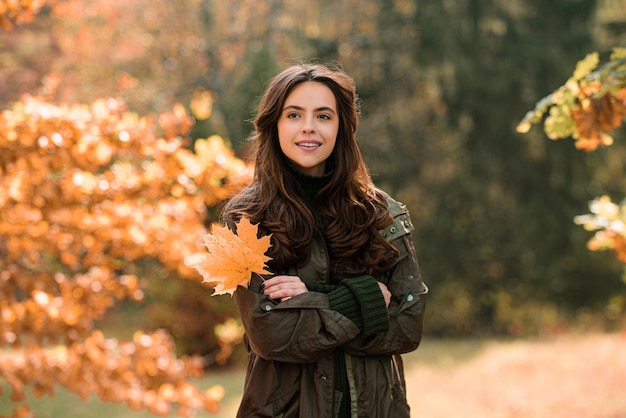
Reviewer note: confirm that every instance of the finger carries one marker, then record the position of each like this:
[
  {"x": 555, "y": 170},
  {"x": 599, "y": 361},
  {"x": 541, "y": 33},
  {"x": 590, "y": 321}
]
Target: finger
[
  {"x": 271, "y": 288},
  {"x": 276, "y": 280},
  {"x": 277, "y": 292},
  {"x": 290, "y": 294}
]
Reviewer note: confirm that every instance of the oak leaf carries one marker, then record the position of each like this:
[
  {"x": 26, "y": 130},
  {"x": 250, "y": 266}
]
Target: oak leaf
[{"x": 232, "y": 258}]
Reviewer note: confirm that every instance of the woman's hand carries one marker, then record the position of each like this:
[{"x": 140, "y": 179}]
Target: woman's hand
[
  {"x": 386, "y": 293},
  {"x": 283, "y": 287}
]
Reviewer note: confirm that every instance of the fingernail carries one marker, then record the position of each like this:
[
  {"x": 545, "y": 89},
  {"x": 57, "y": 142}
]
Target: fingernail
[{"x": 262, "y": 286}]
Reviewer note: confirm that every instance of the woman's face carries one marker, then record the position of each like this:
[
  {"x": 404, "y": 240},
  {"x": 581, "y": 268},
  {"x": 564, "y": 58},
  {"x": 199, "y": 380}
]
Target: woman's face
[{"x": 308, "y": 126}]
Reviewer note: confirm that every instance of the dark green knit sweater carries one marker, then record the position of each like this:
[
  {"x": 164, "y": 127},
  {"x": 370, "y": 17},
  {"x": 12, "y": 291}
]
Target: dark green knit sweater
[{"x": 359, "y": 299}]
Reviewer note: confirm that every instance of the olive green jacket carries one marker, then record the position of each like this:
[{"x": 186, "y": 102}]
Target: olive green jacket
[{"x": 290, "y": 344}]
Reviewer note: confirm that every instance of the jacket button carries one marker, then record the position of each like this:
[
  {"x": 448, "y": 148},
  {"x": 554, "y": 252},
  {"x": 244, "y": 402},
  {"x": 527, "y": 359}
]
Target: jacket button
[
  {"x": 268, "y": 308},
  {"x": 410, "y": 277},
  {"x": 323, "y": 377},
  {"x": 392, "y": 229},
  {"x": 409, "y": 298}
]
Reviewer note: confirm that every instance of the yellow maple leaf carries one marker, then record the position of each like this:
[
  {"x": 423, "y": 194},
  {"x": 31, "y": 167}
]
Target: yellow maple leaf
[{"x": 232, "y": 258}]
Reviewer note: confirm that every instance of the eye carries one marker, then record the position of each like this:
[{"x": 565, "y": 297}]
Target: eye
[
  {"x": 324, "y": 116},
  {"x": 292, "y": 115}
]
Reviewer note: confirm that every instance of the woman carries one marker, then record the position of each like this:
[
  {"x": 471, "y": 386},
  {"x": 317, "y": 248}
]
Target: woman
[{"x": 325, "y": 332}]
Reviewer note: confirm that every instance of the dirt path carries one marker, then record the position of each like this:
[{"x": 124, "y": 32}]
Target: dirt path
[{"x": 572, "y": 376}]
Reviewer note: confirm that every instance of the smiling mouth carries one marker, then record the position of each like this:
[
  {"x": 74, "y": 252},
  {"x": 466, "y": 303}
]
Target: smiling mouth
[{"x": 309, "y": 145}]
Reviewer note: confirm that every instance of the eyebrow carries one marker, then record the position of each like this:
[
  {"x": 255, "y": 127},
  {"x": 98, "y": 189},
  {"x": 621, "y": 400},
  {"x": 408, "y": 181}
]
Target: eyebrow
[{"x": 319, "y": 109}]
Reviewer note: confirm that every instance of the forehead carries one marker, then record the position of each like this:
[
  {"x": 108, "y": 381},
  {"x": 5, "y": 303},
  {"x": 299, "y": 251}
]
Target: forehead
[{"x": 311, "y": 93}]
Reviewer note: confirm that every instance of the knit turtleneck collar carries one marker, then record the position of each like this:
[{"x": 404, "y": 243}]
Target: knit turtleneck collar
[{"x": 311, "y": 185}]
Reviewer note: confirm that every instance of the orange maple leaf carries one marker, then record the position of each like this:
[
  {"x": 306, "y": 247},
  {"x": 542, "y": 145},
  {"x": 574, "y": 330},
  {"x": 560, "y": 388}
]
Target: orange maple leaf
[{"x": 232, "y": 258}]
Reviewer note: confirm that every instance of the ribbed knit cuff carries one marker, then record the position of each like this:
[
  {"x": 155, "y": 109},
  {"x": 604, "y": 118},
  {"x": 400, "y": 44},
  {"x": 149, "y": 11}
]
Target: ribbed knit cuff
[
  {"x": 371, "y": 302},
  {"x": 344, "y": 301}
]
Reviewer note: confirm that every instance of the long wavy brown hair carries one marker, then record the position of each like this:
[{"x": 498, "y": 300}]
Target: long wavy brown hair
[{"x": 354, "y": 208}]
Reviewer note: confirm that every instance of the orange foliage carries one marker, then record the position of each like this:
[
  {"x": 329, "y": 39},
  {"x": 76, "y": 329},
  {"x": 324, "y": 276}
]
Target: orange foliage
[
  {"x": 609, "y": 239},
  {"x": 16, "y": 12},
  {"x": 608, "y": 220},
  {"x": 588, "y": 106},
  {"x": 85, "y": 190},
  {"x": 233, "y": 258},
  {"x": 596, "y": 116}
]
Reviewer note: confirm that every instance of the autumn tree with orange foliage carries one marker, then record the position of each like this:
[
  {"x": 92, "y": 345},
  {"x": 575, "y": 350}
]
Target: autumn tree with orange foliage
[
  {"x": 590, "y": 105},
  {"x": 86, "y": 190}
]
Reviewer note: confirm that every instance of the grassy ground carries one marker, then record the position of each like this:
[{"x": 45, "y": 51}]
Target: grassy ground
[
  {"x": 68, "y": 405},
  {"x": 569, "y": 376}
]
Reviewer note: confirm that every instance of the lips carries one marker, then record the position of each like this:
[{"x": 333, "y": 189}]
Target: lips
[{"x": 309, "y": 145}]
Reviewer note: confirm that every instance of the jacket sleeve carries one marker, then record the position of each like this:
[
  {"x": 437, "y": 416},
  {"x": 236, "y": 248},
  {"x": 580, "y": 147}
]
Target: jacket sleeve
[
  {"x": 360, "y": 300},
  {"x": 300, "y": 330},
  {"x": 408, "y": 299}
]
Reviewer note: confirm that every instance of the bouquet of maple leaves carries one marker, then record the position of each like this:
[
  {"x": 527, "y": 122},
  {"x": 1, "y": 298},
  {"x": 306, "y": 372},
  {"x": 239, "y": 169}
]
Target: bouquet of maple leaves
[{"x": 232, "y": 258}]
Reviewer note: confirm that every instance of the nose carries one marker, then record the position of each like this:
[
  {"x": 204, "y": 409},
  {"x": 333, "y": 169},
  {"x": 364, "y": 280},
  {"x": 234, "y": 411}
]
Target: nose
[{"x": 307, "y": 125}]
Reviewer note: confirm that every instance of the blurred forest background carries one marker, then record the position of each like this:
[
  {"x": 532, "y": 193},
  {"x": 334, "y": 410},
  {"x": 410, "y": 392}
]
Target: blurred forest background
[
  {"x": 443, "y": 85},
  {"x": 124, "y": 129}
]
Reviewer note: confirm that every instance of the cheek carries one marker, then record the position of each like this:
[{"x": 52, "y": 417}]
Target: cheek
[
  {"x": 285, "y": 131},
  {"x": 332, "y": 149},
  {"x": 282, "y": 135},
  {"x": 284, "y": 144},
  {"x": 332, "y": 134}
]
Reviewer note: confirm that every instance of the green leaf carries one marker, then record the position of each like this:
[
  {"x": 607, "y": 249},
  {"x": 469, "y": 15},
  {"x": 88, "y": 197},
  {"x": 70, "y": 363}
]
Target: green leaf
[
  {"x": 559, "y": 124},
  {"x": 618, "y": 53},
  {"x": 585, "y": 66}
]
